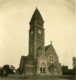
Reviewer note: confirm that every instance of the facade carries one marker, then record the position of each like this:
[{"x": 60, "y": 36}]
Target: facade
[{"x": 42, "y": 60}]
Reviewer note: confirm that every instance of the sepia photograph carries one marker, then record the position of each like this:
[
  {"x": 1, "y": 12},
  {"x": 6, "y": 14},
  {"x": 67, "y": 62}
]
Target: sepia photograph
[{"x": 37, "y": 40}]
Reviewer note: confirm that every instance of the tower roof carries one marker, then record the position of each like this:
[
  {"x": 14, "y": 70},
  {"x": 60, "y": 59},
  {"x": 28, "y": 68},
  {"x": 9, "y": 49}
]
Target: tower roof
[{"x": 36, "y": 16}]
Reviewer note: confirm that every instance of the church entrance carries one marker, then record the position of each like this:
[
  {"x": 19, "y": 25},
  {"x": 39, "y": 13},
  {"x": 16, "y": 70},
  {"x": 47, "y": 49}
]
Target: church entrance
[{"x": 43, "y": 68}]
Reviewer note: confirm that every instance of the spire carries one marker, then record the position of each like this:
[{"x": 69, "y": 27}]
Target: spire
[{"x": 36, "y": 16}]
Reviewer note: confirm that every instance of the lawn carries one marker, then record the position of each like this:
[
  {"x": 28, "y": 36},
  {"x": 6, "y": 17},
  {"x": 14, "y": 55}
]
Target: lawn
[{"x": 39, "y": 78}]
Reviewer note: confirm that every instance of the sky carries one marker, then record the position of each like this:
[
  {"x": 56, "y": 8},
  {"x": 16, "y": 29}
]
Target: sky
[{"x": 15, "y": 15}]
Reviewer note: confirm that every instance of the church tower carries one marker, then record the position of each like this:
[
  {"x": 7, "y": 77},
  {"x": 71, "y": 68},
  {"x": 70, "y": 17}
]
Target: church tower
[
  {"x": 36, "y": 34},
  {"x": 42, "y": 60}
]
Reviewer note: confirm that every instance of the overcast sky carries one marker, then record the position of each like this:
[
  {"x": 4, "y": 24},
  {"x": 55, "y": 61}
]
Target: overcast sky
[{"x": 59, "y": 27}]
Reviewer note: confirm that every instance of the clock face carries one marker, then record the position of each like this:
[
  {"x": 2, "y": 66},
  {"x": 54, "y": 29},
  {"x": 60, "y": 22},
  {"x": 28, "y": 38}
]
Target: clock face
[
  {"x": 51, "y": 58},
  {"x": 39, "y": 31}
]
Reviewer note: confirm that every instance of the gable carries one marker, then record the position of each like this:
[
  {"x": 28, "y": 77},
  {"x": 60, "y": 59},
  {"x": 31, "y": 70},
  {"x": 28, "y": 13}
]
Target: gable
[{"x": 50, "y": 50}]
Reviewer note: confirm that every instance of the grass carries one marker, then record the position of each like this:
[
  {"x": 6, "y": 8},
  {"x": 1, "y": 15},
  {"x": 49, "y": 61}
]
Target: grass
[{"x": 19, "y": 77}]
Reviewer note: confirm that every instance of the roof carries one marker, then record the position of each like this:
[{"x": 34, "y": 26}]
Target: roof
[
  {"x": 0, "y": 67},
  {"x": 51, "y": 49},
  {"x": 46, "y": 47},
  {"x": 27, "y": 59},
  {"x": 51, "y": 46},
  {"x": 40, "y": 48},
  {"x": 36, "y": 16}
]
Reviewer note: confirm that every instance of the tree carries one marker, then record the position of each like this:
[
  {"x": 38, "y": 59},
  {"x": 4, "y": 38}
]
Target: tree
[
  {"x": 65, "y": 70},
  {"x": 7, "y": 69}
]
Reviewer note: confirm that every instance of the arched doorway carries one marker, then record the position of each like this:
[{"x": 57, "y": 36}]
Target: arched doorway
[{"x": 43, "y": 68}]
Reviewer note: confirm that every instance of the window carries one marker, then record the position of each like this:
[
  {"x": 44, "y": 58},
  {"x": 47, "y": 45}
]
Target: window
[
  {"x": 40, "y": 70},
  {"x": 43, "y": 70}
]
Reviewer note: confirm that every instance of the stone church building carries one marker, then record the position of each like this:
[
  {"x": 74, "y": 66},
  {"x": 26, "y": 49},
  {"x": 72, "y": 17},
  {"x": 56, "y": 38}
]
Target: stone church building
[{"x": 41, "y": 60}]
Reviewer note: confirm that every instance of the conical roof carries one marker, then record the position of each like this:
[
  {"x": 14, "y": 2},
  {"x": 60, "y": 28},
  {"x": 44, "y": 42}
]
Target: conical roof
[{"x": 36, "y": 16}]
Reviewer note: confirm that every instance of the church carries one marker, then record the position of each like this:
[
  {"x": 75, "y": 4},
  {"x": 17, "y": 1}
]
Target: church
[{"x": 41, "y": 59}]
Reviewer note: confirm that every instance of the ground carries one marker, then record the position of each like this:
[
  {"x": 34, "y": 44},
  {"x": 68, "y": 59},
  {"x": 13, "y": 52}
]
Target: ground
[
  {"x": 35, "y": 79},
  {"x": 40, "y": 78}
]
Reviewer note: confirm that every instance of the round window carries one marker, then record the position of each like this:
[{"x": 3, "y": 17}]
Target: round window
[{"x": 51, "y": 58}]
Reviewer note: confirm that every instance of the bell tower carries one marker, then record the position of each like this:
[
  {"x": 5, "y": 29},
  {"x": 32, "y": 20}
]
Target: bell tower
[{"x": 36, "y": 34}]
